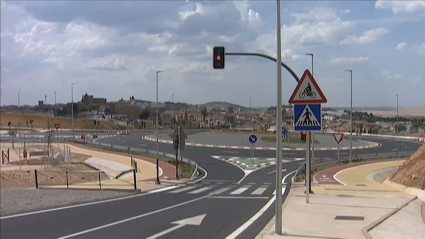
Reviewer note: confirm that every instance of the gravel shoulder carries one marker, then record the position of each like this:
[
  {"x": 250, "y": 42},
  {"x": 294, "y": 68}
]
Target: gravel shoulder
[{"x": 26, "y": 200}]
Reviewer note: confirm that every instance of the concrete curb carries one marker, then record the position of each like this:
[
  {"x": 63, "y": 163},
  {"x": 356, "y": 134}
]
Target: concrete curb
[
  {"x": 271, "y": 223},
  {"x": 374, "y": 174},
  {"x": 366, "y": 229},
  {"x": 410, "y": 190},
  {"x": 371, "y": 145}
]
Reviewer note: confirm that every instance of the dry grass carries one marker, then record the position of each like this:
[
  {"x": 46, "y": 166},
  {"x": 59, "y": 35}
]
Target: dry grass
[
  {"x": 42, "y": 121},
  {"x": 412, "y": 172},
  {"x": 406, "y": 112}
]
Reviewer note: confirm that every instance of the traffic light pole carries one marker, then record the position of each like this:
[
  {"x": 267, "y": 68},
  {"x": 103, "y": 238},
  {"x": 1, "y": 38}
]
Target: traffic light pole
[{"x": 267, "y": 57}]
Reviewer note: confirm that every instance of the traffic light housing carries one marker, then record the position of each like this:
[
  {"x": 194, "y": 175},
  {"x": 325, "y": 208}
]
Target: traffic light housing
[
  {"x": 303, "y": 137},
  {"x": 218, "y": 60}
]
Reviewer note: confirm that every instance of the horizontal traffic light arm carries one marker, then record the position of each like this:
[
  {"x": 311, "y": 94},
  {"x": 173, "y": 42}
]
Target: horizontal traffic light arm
[{"x": 265, "y": 56}]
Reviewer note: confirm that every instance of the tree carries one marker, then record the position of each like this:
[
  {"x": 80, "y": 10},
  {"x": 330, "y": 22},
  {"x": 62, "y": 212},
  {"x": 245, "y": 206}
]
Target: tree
[
  {"x": 204, "y": 112},
  {"x": 144, "y": 115},
  {"x": 12, "y": 133}
]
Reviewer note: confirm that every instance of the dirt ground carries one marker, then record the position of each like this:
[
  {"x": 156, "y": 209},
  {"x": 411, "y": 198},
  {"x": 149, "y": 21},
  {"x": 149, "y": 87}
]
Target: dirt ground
[
  {"x": 408, "y": 112},
  {"x": 11, "y": 177},
  {"x": 412, "y": 172},
  {"x": 42, "y": 121}
]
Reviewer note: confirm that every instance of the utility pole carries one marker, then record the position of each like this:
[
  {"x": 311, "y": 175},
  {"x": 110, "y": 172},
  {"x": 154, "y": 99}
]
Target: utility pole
[
  {"x": 278, "y": 213},
  {"x": 157, "y": 126},
  {"x": 397, "y": 117},
  {"x": 311, "y": 158},
  {"x": 351, "y": 114},
  {"x": 72, "y": 107},
  {"x": 250, "y": 108},
  {"x": 56, "y": 113}
]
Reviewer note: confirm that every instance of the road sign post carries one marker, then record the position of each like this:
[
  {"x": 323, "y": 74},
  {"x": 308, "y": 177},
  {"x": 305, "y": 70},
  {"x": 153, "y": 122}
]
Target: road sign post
[
  {"x": 252, "y": 139},
  {"x": 338, "y": 138},
  {"x": 307, "y": 98}
]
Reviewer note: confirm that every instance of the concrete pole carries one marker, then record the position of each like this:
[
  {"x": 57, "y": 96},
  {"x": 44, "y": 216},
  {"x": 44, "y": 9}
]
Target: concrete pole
[
  {"x": 311, "y": 158},
  {"x": 72, "y": 108},
  {"x": 351, "y": 114},
  {"x": 157, "y": 128},
  {"x": 55, "y": 105},
  {"x": 397, "y": 116},
  {"x": 278, "y": 213}
]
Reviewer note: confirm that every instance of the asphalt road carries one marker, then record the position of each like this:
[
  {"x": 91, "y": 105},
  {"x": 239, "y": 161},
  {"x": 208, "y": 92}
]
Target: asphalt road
[{"x": 220, "y": 203}]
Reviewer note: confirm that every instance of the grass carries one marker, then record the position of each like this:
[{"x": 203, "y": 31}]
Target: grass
[
  {"x": 293, "y": 139},
  {"x": 185, "y": 169}
]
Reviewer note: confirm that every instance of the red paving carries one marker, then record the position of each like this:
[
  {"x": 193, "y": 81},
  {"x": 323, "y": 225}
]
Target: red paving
[
  {"x": 168, "y": 170},
  {"x": 327, "y": 176}
]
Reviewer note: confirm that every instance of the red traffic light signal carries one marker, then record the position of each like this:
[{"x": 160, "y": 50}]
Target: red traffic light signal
[{"x": 218, "y": 60}]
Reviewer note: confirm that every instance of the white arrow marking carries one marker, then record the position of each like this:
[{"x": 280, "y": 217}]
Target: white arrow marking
[{"x": 195, "y": 221}]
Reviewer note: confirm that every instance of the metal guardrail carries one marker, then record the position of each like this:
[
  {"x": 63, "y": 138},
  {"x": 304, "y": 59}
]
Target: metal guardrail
[
  {"x": 145, "y": 151},
  {"x": 75, "y": 178}
]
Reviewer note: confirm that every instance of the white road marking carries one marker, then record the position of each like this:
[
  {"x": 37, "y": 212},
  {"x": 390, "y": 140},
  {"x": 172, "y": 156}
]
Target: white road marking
[
  {"x": 201, "y": 190},
  {"x": 395, "y": 149},
  {"x": 240, "y": 197},
  {"x": 205, "y": 175},
  {"x": 221, "y": 190},
  {"x": 283, "y": 191},
  {"x": 259, "y": 191},
  {"x": 288, "y": 153},
  {"x": 132, "y": 218},
  {"x": 231, "y": 152},
  {"x": 143, "y": 145},
  {"x": 123, "y": 141},
  {"x": 338, "y": 179},
  {"x": 163, "y": 189},
  {"x": 239, "y": 190},
  {"x": 274, "y": 171},
  {"x": 183, "y": 189}
]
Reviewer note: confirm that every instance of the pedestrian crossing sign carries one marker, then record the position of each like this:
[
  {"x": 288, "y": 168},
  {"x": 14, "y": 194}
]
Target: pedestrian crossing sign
[{"x": 308, "y": 117}]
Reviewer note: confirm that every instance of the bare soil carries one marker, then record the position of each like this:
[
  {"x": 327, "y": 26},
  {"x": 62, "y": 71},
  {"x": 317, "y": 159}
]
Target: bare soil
[
  {"x": 412, "y": 172},
  {"x": 40, "y": 121}
]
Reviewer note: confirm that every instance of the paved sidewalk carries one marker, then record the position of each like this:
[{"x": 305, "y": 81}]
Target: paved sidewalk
[{"x": 353, "y": 196}]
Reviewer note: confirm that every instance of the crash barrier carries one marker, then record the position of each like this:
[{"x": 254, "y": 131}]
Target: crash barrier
[
  {"x": 151, "y": 153},
  {"x": 358, "y": 158},
  {"x": 380, "y": 136},
  {"x": 83, "y": 179}
]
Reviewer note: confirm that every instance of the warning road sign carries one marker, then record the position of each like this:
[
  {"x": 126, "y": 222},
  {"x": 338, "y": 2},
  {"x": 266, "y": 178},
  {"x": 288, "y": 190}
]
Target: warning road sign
[
  {"x": 308, "y": 117},
  {"x": 338, "y": 137},
  {"x": 307, "y": 91}
]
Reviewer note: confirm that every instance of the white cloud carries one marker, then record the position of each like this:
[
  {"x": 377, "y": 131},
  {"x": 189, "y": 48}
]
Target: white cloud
[
  {"x": 349, "y": 60},
  {"x": 367, "y": 37},
  {"x": 318, "y": 14},
  {"x": 421, "y": 49},
  {"x": 346, "y": 11},
  {"x": 248, "y": 16},
  {"x": 111, "y": 62},
  {"x": 391, "y": 76},
  {"x": 404, "y": 6},
  {"x": 401, "y": 46}
]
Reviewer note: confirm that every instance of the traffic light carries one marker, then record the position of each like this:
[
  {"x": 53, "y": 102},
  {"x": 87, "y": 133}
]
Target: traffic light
[
  {"x": 218, "y": 61},
  {"x": 303, "y": 137}
]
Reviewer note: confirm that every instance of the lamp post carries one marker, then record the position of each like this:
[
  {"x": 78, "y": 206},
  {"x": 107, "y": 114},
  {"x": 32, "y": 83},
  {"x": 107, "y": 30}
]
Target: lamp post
[
  {"x": 56, "y": 113},
  {"x": 312, "y": 133},
  {"x": 19, "y": 111},
  {"x": 250, "y": 108},
  {"x": 397, "y": 116},
  {"x": 19, "y": 108},
  {"x": 172, "y": 98},
  {"x": 351, "y": 113},
  {"x": 72, "y": 107},
  {"x": 279, "y": 176},
  {"x": 157, "y": 124}
]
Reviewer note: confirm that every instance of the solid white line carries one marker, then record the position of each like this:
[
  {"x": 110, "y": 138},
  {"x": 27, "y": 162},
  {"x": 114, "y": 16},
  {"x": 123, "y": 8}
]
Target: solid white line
[
  {"x": 131, "y": 218},
  {"x": 283, "y": 191},
  {"x": 205, "y": 175},
  {"x": 288, "y": 153},
  {"x": 338, "y": 179},
  {"x": 182, "y": 189},
  {"x": 200, "y": 190},
  {"x": 251, "y": 220},
  {"x": 166, "y": 231},
  {"x": 259, "y": 191},
  {"x": 73, "y": 206},
  {"x": 143, "y": 145},
  {"x": 235, "y": 197},
  {"x": 239, "y": 190}
]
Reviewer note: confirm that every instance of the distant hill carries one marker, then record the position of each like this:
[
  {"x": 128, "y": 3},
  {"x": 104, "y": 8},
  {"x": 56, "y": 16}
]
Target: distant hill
[{"x": 222, "y": 104}]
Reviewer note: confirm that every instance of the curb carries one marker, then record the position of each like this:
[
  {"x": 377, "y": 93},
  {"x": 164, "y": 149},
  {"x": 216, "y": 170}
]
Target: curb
[
  {"x": 366, "y": 229},
  {"x": 371, "y": 145}
]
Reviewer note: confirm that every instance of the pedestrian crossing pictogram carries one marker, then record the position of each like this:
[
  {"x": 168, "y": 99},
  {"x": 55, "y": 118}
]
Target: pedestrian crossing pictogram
[{"x": 308, "y": 117}]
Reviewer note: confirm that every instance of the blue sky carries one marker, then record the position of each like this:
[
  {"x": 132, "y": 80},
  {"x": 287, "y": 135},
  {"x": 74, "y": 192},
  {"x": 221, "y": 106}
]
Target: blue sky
[{"x": 112, "y": 49}]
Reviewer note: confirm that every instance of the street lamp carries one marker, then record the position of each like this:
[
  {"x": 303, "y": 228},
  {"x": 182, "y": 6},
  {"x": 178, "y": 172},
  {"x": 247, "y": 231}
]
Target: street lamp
[
  {"x": 397, "y": 116},
  {"x": 250, "y": 108},
  {"x": 55, "y": 104},
  {"x": 172, "y": 98},
  {"x": 312, "y": 133},
  {"x": 157, "y": 124},
  {"x": 19, "y": 111},
  {"x": 18, "y": 101},
  {"x": 351, "y": 113},
  {"x": 72, "y": 107},
  {"x": 279, "y": 176}
]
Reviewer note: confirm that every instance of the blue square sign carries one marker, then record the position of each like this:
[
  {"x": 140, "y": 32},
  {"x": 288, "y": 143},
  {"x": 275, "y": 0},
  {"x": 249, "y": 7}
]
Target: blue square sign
[{"x": 308, "y": 117}]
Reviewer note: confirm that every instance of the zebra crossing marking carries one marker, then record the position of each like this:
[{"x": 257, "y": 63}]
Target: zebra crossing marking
[
  {"x": 200, "y": 190},
  {"x": 183, "y": 189},
  {"x": 239, "y": 190}
]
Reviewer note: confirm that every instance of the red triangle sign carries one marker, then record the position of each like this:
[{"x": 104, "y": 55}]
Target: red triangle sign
[{"x": 307, "y": 91}]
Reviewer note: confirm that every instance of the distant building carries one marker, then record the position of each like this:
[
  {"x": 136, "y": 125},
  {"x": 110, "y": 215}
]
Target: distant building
[{"x": 89, "y": 100}]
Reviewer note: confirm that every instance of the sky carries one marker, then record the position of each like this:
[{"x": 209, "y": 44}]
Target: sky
[{"x": 112, "y": 49}]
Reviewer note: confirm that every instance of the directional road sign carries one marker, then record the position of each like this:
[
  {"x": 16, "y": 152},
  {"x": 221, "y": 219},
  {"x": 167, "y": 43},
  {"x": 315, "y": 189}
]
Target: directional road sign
[
  {"x": 308, "y": 117},
  {"x": 252, "y": 139},
  {"x": 285, "y": 133},
  {"x": 307, "y": 91}
]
